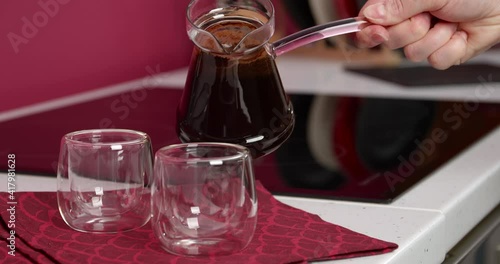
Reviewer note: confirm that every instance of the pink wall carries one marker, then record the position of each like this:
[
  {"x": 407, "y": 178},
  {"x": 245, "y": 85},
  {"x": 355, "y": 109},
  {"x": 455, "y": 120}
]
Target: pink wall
[{"x": 53, "y": 48}]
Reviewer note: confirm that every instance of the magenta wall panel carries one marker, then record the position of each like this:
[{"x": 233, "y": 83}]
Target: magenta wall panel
[{"x": 54, "y": 48}]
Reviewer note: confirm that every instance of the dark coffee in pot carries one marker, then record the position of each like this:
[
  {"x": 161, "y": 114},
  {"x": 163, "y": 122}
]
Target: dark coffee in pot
[{"x": 235, "y": 98}]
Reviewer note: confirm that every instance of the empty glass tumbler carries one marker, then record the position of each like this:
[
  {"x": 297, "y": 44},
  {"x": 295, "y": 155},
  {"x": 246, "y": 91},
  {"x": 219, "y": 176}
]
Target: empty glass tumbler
[
  {"x": 104, "y": 179},
  {"x": 203, "y": 198}
]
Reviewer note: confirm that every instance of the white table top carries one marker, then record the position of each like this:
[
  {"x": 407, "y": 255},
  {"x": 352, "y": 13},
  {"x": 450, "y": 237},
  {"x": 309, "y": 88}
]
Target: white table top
[{"x": 425, "y": 222}]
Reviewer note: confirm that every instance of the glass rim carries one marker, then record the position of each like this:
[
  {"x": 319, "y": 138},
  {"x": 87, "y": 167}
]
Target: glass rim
[
  {"x": 192, "y": 21},
  {"x": 141, "y": 137},
  {"x": 242, "y": 152}
]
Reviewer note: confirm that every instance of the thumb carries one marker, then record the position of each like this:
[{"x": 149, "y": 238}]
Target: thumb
[{"x": 391, "y": 12}]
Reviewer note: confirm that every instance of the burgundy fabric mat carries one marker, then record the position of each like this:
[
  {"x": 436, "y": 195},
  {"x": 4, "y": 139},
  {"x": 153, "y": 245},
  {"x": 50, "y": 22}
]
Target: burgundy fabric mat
[{"x": 284, "y": 235}]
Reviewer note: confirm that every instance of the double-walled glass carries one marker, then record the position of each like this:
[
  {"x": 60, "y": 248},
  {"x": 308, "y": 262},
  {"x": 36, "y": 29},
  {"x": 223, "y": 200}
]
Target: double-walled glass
[
  {"x": 203, "y": 198},
  {"x": 104, "y": 179}
]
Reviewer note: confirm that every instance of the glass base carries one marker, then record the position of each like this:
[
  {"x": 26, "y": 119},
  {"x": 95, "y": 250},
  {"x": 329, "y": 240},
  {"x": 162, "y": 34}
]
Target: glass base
[
  {"x": 106, "y": 224},
  {"x": 203, "y": 246}
]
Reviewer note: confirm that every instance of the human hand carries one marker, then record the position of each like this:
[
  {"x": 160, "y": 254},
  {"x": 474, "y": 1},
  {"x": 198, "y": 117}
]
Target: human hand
[{"x": 445, "y": 32}]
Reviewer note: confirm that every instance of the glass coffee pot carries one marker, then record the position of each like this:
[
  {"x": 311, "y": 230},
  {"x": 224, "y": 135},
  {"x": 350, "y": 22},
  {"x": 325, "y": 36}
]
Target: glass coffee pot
[{"x": 233, "y": 91}]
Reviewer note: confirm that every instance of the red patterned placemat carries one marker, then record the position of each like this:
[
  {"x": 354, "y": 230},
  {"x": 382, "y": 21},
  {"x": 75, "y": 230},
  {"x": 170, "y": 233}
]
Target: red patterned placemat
[{"x": 284, "y": 235}]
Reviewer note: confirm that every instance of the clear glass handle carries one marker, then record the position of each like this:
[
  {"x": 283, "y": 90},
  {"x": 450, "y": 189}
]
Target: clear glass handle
[{"x": 316, "y": 33}]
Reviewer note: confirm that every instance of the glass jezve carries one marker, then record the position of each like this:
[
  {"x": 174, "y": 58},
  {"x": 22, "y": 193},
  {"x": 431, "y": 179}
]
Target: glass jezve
[{"x": 233, "y": 91}]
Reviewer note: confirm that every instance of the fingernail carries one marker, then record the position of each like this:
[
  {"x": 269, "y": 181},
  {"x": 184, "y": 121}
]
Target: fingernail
[
  {"x": 380, "y": 38},
  {"x": 375, "y": 12},
  {"x": 462, "y": 34}
]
